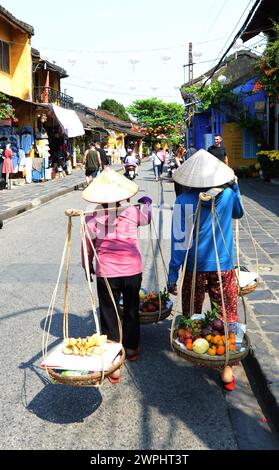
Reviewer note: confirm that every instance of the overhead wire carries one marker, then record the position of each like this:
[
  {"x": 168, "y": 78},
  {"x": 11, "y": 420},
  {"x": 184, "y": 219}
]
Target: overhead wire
[
  {"x": 217, "y": 16},
  {"x": 246, "y": 22},
  {"x": 241, "y": 16}
]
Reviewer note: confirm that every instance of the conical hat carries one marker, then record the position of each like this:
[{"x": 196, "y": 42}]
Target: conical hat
[
  {"x": 203, "y": 170},
  {"x": 109, "y": 187}
]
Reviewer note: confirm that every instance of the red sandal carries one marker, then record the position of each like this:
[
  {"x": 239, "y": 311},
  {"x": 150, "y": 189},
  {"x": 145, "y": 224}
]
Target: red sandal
[
  {"x": 133, "y": 357},
  {"x": 113, "y": 380},
  {"x": 230, "y": 386}
]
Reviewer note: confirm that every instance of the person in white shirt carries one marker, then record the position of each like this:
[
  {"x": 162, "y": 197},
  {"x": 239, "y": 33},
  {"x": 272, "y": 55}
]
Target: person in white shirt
[{"x": 155, "y": 157}]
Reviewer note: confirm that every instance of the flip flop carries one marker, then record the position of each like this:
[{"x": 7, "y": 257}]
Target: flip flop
[{"x": 229, "y": 385}]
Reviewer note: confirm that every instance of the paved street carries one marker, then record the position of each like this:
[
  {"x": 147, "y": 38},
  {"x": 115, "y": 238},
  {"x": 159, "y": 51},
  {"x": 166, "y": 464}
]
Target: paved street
[{"x": 162, "y": 402}]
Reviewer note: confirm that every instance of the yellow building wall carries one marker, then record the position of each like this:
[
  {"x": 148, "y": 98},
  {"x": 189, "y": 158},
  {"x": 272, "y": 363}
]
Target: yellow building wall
[
  {"x": 233, "y": 141},
  {"x": 19, "y": 82}
]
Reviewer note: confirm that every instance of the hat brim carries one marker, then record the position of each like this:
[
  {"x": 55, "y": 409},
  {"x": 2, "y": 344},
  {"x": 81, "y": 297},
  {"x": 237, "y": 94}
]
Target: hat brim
[
  {"x": 203, "y": 170},
  {"x": 110, "y": 187}
]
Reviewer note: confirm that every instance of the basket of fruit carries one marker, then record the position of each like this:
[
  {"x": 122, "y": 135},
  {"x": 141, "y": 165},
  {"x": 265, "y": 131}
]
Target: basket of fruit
[
  {"x": 202, "y": 341},
  {"x": 150, "y": 311},
  {"x": 80, "y": 361}
]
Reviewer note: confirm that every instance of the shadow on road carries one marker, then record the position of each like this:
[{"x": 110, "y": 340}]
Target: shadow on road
[{"x": 59, "y": 403}]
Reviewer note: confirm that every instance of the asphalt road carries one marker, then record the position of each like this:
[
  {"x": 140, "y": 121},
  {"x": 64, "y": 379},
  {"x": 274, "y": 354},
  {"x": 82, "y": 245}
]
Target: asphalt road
[{"x": 162, "y": 401}]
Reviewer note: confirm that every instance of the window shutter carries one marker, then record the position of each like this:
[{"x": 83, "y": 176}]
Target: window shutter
[{"x": 4, "y": 57}]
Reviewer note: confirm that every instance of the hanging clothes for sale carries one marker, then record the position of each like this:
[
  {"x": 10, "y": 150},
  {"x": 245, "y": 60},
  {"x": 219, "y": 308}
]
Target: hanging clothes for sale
[{"x": 27, "y": 141}]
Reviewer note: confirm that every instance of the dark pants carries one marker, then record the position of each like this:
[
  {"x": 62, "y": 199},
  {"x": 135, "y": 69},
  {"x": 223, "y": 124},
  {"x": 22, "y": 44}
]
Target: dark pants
[{"x": 129, "y": 287}]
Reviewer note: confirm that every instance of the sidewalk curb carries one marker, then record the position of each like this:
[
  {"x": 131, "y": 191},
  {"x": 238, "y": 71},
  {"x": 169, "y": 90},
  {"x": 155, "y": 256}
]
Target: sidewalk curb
[
  {"x": 37, "y": 202},
  {"x": 258, "y": 366},
  {"x": 24, "y": 207},
  {"x": 255, "y": 373}
]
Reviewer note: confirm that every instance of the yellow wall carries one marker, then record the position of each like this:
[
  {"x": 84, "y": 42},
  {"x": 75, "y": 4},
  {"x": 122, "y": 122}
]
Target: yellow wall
[
  {"x": 19, "y": 82},
  {"x": 232, "y": 137}
]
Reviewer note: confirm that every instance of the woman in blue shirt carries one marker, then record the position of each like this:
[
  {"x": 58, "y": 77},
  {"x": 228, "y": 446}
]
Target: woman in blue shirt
[{"x": 200, "y": 173}]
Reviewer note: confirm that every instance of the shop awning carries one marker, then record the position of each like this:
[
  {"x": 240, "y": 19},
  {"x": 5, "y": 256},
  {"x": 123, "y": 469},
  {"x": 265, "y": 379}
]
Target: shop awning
[{"x": 69, "y": 121}]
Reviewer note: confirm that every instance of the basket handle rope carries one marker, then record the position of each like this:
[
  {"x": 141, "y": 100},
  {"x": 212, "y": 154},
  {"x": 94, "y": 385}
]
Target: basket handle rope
[
  {"x": 48, "y": 319},
  {"x": 220, "y": 280},
  {"x": 181, "y": 281},
  {"x": 160, "y": 250},
  {"x": 156, "y": 272}
]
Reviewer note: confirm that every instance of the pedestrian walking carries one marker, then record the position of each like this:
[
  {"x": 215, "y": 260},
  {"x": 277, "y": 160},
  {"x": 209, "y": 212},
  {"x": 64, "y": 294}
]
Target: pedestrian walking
[
  {"x": 103, "y": 155},
  {"x": 113, "y": 229},
  {"x": 162, "y": 157},
  {"x": 92, "y": 162},
  {"x": 199, "y": 173},
  {"x": 218, "y": 149},
  {"x": 156, "y": 160}
]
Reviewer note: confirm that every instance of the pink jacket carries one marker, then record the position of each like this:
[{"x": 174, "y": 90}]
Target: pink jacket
[{"x": 115, "y": 238}]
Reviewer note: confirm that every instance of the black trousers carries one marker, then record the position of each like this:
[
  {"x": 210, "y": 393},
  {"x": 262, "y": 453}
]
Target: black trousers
[{"x": 129, "y": 287}]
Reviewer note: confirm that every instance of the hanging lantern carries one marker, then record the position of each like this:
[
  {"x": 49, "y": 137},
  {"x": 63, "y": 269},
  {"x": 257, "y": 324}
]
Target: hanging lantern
[
  {"x": 197, "y": 53},
  {"x": 72, "y": 58},
  {"x": 110, "y": 83},
  {"x": 102, "y": 61},
  {"x": 166, "y": 57},
  {"x": 134, "y": 61},
  {"x": 222, "y": 79},
  {"x": 132, "y": 86},
  {"x": 237, "y": 45}
]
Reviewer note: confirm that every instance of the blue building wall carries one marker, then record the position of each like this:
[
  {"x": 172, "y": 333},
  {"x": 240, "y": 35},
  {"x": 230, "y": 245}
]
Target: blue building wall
[{"x": 211, "y": 120}]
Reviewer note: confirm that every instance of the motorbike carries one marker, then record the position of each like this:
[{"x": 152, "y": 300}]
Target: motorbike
[{"x": 130, "y": 172}]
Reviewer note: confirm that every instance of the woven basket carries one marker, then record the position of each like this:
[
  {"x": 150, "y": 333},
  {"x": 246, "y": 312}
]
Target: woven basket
[
  {"x": 248, "y": 289},
  {"x": 217, "y": 362},
  {"x": 154, "y": 317},
  {"x": 149, "y": 317},
  {"x": 90, "y": 380}
]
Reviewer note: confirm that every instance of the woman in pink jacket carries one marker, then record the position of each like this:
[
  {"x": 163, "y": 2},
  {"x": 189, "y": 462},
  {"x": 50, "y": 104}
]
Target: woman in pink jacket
[{"x": 114, "y": 232}]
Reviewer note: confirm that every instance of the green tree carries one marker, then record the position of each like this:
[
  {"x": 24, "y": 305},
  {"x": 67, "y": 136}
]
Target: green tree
[
  {"x": 159, "y": 120},
  {"x": 116, "y": 108},
  {"x": 268, "y": 67}
]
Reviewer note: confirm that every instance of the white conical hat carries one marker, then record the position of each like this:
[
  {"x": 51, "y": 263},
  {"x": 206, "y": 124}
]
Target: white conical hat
[
  {"x": 203, "y": 170},
  {"x": 109, "y": 187}
]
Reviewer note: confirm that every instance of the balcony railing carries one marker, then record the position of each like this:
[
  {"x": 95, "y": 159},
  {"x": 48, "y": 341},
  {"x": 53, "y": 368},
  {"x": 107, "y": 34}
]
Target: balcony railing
[{"x": 44, "y": 94}]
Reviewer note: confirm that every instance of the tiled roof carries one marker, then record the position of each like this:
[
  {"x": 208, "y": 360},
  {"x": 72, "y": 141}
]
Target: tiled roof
[
  {"x": 112, "y": 118},
  {"x": 36, "y": 57},
  {"x": 108, "y": 120},
  {"x": 224, "y": 65},
  {"x": 26, "y": 27}
]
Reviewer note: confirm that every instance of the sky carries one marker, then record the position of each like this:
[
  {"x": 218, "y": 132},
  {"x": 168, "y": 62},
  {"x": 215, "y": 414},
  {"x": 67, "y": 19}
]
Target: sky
[{"x": 129, "y": 50}]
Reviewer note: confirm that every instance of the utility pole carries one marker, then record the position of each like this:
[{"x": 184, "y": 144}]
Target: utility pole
[{"x": 190, "y": 63}]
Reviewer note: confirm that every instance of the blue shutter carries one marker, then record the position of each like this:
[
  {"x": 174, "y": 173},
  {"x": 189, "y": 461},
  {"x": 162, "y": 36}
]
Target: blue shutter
[{"x": 249, "y": 148}]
